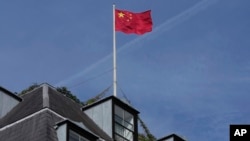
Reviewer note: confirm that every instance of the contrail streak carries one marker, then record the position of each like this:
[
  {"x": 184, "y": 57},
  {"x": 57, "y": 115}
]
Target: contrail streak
[{"x": 165, "y": 26}]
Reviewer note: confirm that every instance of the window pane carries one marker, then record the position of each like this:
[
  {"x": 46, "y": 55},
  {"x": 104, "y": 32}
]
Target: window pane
[
  {"x": 128, "y": 117},
  {"x": 124, "y": 124},
  {"x": 83, "y": 139},
  {"x": 124, "y": 118},
  {"x": 73, "y": 136},
  {"x": 128, "y": 125},
  {"x": 119, "y": 129},
  {"x": 118, "y": 138},
  {"x": 128, "y": 135},
  {"x": 118, "y": 119},
  {"x": 119, "y": 111}
]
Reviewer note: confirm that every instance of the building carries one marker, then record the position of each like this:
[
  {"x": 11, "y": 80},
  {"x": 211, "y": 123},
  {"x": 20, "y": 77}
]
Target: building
[
  {"x": 44, "y": 114},
  {"x": 172, "y": 137}
]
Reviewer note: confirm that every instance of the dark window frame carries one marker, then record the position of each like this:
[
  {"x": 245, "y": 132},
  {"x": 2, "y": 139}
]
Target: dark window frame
[
  {"x": 82, "y": 132},
  {"x": 129, "y": 109}
]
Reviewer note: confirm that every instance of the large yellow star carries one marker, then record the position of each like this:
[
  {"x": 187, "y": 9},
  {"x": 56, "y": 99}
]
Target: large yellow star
[{"x": 121, "y": 15}]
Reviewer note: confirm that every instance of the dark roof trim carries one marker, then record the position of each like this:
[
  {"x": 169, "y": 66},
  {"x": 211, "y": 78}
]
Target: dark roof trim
[
  {"x": 80, "y": 130},
  {"x": 10, "y": 94},
  {"x": 117, "y": 100},
  {"x": 170, "y": 136}
]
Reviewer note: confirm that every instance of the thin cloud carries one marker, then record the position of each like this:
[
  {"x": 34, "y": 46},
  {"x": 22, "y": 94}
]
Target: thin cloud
[
  {"x": 185, "y": 15},
  {"x": 167, "y": 25}
]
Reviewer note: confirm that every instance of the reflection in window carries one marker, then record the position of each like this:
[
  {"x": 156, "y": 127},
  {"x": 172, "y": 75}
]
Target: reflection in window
[
  {"x": 73, "y": 136},
  {"x": 124, "y": 125}
]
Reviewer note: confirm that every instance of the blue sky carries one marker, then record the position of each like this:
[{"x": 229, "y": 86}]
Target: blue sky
[{"x": 190, "y": 75}]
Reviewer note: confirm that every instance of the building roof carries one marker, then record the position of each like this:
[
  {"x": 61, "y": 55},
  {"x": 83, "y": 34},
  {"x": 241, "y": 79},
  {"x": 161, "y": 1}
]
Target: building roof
[
  {"x": 175, "y": 136},
  {"x": 42, "y": 109},
  {"x": 34, "y": 128}
]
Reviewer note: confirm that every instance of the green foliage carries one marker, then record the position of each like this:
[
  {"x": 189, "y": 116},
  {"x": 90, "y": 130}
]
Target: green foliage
[
  {"x": 97, "y": 97},
  {"x": 30, "y": 88},
  {"x": 62, "y": 90},
  {"x": 68, "y": 93},
  {"x": 147, "y": 136},
  {"x": 143, "y": 137},
  {"x": 90, "y": 101}
]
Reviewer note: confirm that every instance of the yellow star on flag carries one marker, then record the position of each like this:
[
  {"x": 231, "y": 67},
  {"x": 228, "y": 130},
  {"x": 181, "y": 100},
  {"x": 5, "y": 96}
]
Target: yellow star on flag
[{"x": 121, "y": 15}]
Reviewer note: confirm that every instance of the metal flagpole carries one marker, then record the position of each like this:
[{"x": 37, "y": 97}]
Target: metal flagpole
[{"x": 114, "y": 55}]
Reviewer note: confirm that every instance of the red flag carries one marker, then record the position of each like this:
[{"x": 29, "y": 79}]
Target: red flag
[{"x": 129, "y": 22}]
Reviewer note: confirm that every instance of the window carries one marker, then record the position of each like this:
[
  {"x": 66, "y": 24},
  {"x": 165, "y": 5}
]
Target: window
[
  {"x": 124, "y": 125},
  {"x": 73, "y": 136}
]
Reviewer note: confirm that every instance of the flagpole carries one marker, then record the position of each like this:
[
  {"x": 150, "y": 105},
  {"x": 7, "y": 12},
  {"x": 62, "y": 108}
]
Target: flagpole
[{"x": 114, "y": 55}]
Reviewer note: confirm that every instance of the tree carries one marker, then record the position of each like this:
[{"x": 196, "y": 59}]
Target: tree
[
  {"x": 66, "y": 92},
  {"x": 63, "y": 90},
  {"x": 30, "y": 88}
]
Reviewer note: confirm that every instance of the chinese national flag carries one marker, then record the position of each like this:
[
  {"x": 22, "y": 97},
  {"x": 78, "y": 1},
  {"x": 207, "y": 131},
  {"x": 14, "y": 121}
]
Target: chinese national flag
[{"x": 129, "y": 22}]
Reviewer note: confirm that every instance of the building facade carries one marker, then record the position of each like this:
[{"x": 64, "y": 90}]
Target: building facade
[{"x": 44, "y": 114}]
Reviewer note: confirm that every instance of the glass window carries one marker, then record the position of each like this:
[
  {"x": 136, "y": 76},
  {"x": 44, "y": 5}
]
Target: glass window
[
  {"x": 119, "y": 138},
  {"x": 124, "y": 118},
  {"x": 73, "y": 136},
  {"x": 124, "y": 125}
]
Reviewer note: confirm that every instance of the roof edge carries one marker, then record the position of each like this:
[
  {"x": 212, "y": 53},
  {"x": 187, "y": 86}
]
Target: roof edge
[
  {"x": 106, "y": 99},
  {"x": 171, "y": 135},
  {"x": 10, "y": 94},
  {"x": 41, "y": 85},
  {"x": 30, "y": 116}
]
